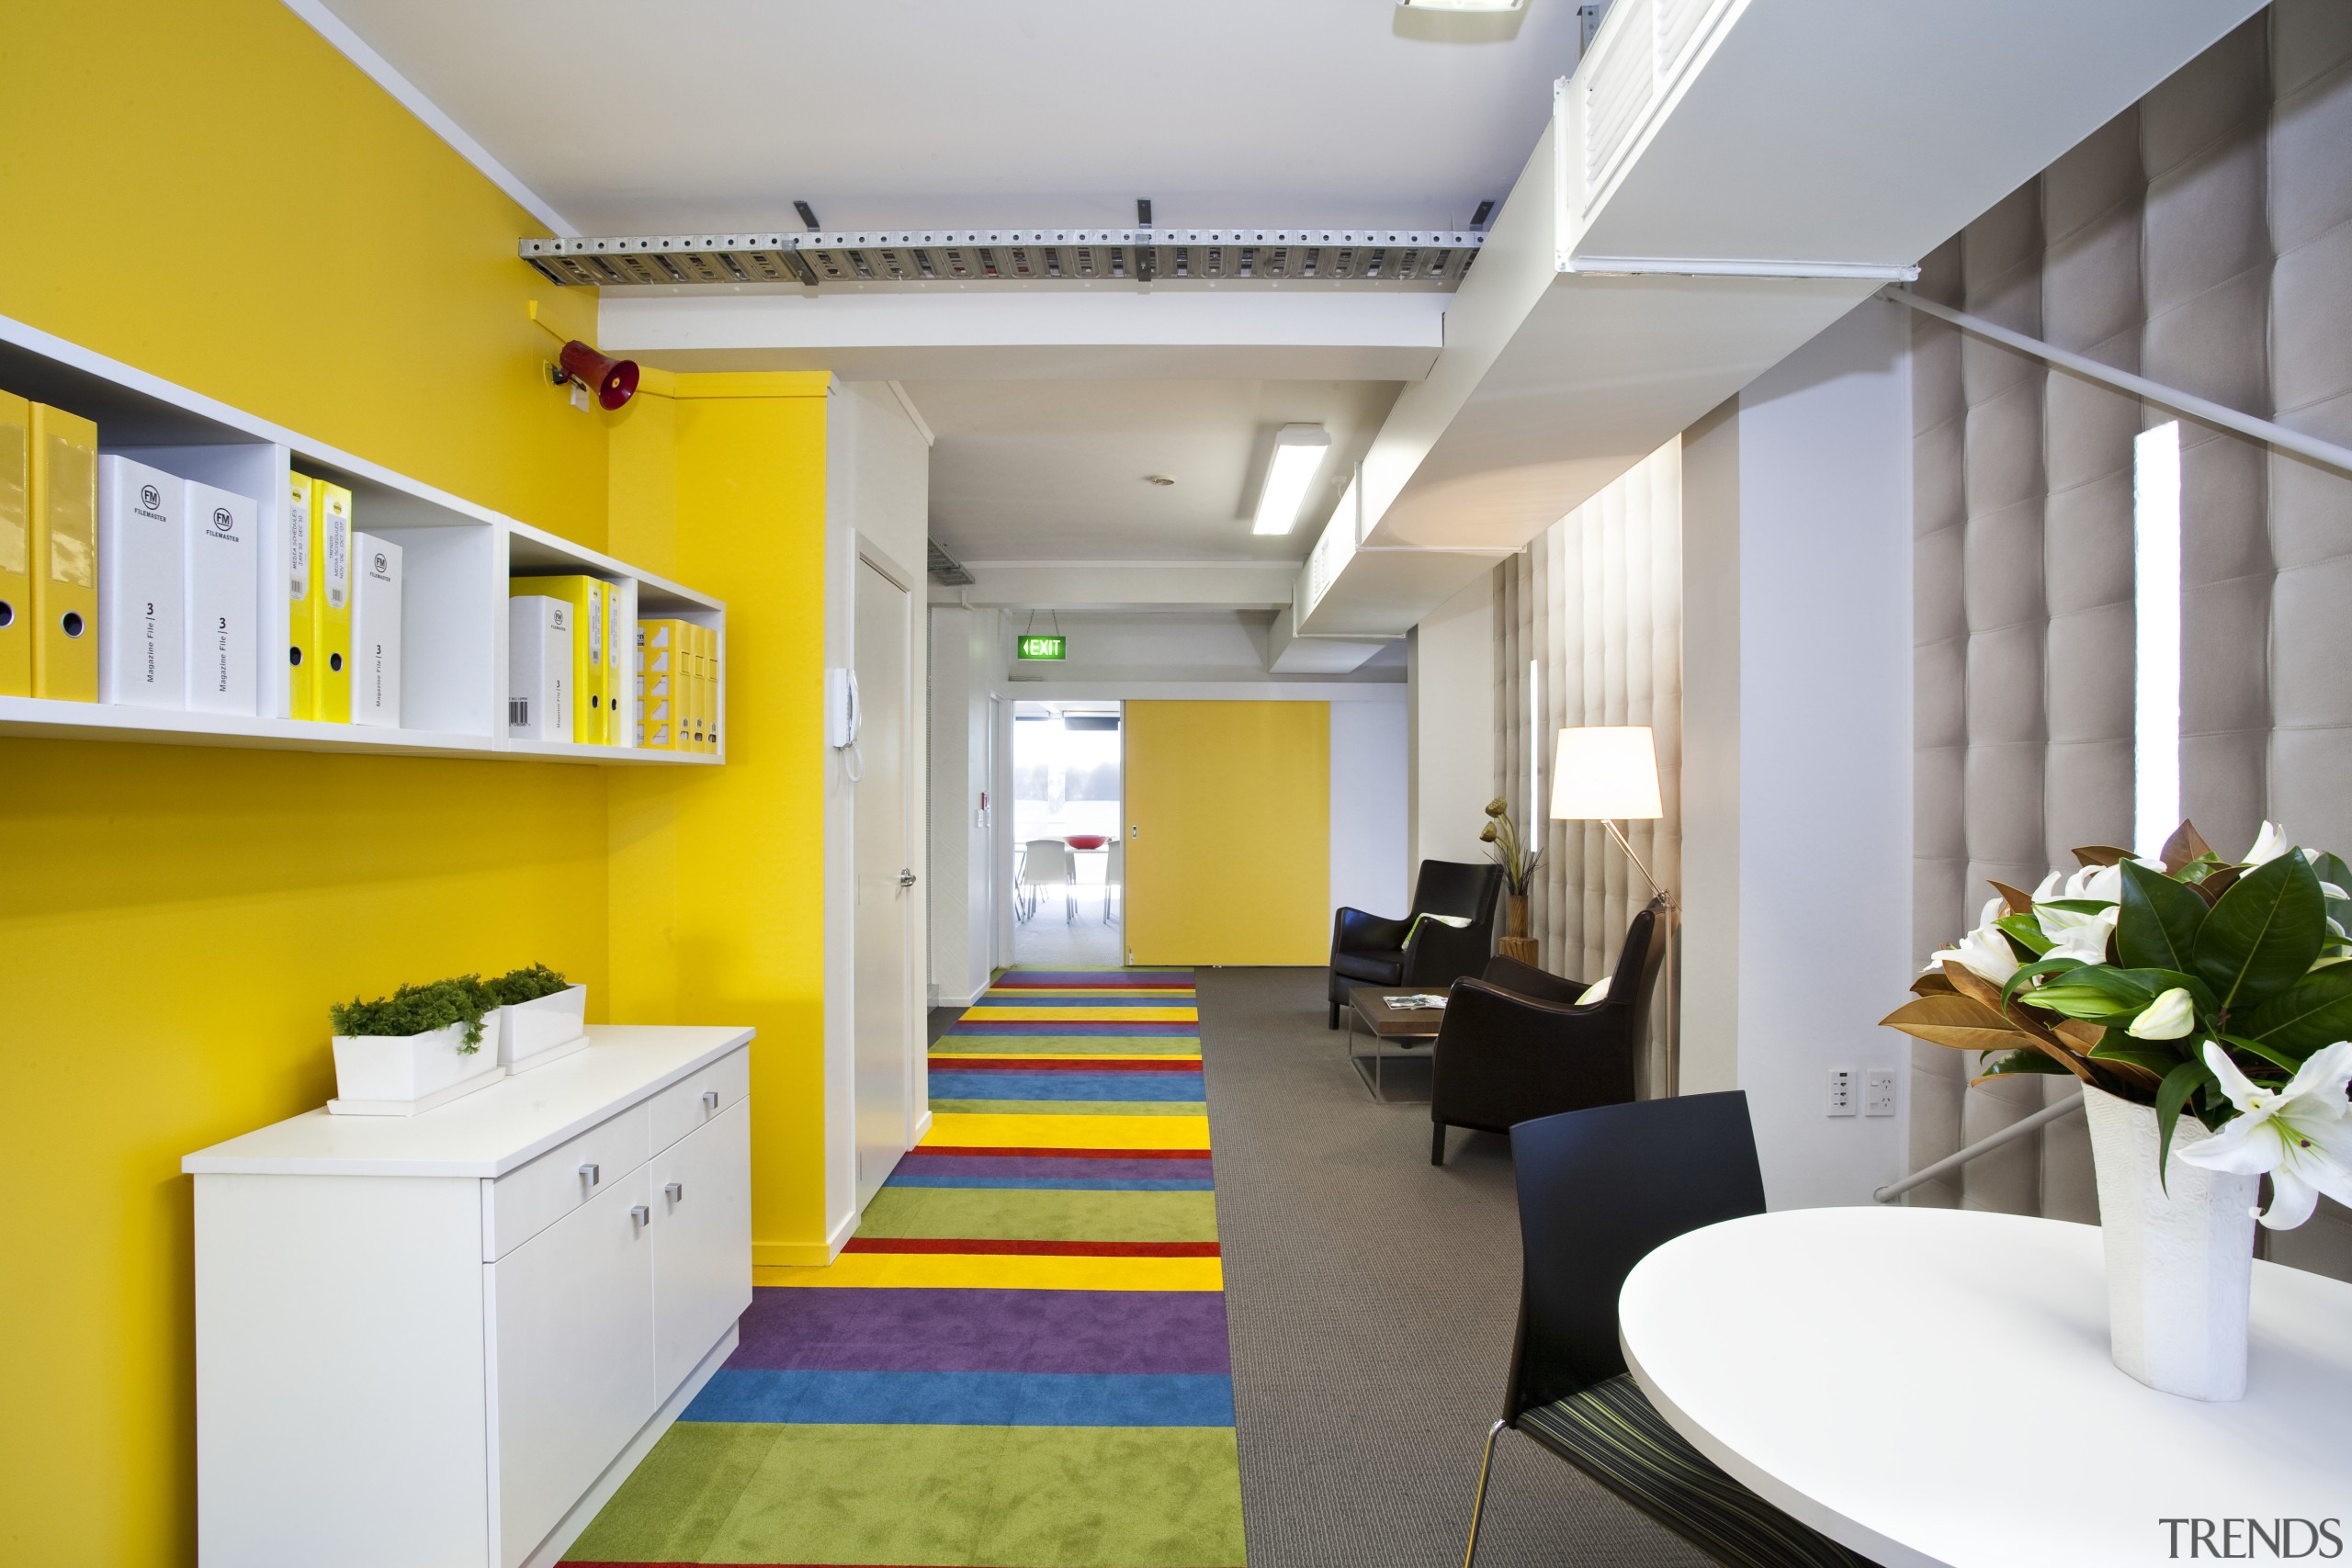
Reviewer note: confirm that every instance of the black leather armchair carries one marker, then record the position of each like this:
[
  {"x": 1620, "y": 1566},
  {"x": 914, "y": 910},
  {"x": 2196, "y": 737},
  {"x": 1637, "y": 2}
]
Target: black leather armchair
[
  {"x": 1370, "y": 950},
  {"x": 1515, "y": 1045}
]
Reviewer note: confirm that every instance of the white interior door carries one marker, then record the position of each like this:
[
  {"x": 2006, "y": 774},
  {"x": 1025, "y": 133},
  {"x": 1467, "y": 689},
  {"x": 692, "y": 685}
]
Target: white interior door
[{"x": 883, "y": 999}]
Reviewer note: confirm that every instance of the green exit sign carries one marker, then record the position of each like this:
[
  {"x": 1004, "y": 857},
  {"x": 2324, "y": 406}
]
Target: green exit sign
[{"x": 1039, "y": 648}]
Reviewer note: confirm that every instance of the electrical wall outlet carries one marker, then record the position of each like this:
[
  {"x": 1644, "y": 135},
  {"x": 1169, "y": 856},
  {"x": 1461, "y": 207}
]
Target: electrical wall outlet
[
  {"x": 1842, "y": 1091},
  {"x": 1878, "y": 1093}
]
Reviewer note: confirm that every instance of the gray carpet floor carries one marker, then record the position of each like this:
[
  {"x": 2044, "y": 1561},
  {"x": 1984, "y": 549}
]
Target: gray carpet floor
[{"x": 1370, "y": 1298}]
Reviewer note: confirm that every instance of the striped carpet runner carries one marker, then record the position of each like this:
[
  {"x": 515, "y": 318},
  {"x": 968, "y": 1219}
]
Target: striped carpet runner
[{"x": 1019, "y": 1361}]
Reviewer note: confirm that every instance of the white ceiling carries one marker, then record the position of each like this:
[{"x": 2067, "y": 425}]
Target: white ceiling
[
  {"x": 1037, "y": 470},
  {"x": 694, "y": 115}
]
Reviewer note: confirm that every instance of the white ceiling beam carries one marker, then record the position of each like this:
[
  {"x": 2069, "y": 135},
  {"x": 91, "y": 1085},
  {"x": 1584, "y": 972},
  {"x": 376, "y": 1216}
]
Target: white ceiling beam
[
  {"x": 356, "y": 50},
  {"x": 1127, "y": 332},
  {"x": 1123, "y": 585}
]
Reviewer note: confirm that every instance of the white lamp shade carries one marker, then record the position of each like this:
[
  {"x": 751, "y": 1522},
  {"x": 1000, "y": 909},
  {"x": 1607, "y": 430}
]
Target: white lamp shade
[{"x": 1606, "y": 772}]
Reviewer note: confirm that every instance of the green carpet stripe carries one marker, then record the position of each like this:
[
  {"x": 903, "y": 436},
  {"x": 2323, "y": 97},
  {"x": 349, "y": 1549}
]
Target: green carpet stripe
[
  {"x": 1050, "y": 1215},
  {"x": 879, "y": 1493}
]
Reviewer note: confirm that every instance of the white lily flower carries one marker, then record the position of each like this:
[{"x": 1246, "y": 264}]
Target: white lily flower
[
  {"x": 2076, "y": 936},
  {"x": 2269, "y": 845},
  {"x": 2169, "y": 1017},
  {"x": 1985, "y": 952},
  {"x": 2301, "y": 1136},
  {"x": 2051, "y": 887}
]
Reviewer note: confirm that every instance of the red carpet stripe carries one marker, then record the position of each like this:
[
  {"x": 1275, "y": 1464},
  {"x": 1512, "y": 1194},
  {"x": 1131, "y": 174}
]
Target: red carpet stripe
[{"x": 1033, "y": 1248}]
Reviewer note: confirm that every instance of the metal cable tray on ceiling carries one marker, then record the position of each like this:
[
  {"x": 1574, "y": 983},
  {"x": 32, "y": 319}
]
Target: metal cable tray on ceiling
[{"x": 1409, "y": 258}]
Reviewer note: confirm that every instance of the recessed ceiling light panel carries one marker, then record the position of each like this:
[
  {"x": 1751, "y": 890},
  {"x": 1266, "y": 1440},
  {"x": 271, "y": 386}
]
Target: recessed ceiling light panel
[
  {"x": 1299, "y": 451},
  {"x": 1461, "y": 5}
]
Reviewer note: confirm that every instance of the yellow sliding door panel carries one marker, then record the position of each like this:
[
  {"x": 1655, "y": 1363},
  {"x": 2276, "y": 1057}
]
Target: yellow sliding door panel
[{"x": 1229, "y": 832}]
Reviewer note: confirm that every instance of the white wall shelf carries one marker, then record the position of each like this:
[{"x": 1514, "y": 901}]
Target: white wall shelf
[{"x": 457, "y": 558}]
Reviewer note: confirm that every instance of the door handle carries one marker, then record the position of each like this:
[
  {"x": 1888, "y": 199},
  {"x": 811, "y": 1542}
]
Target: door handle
[
  {"x": 592, "y": 1174},
  {"x": 710, "y": 1100},
  {"x": 906, "y": 877},
  {"x": 675, "y": 1191},
  {"x": 638, "y": 1217}
]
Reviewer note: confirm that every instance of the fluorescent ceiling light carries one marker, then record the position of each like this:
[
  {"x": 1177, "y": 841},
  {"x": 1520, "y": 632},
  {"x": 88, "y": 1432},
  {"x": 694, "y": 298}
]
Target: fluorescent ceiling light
[
  {"x": 1460, "y": 5},
  {"x": 1298, "y": 453}
]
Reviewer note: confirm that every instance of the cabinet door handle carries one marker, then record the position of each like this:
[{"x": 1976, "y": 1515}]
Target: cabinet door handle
[
  {"x": 591, "y": 1173},
  {"x": 710, "y": 1100},
  {"x": 638, "y": 1216},
  {"x": 675, "y": 1191}
]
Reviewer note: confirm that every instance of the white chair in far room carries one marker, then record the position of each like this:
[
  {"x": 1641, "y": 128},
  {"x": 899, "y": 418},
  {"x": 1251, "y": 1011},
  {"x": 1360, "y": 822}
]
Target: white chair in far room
[{"x": 1044, "y": 863}]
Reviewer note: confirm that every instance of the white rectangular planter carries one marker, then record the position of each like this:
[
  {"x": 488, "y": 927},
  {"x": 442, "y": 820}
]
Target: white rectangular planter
[
  {"x": 383, "y": 1075},
  {"x": 533, "y": 1033}
]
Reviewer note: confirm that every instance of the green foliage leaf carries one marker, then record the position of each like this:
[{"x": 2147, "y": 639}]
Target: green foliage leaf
[
  {"x": 525, "y": 984},
  {"x": 2171, "y": 1094},
  {"x": 2028, "y": 974},
  {"x": 2010, "y": 1064},
  {"x": 2271, "y": 1054},
  {"x": 2159, "y": 1057},
  {"x": 2263, "y": 934},
  {"x": 2024, "y": 931},
  {"x": 2100, "y": 994},
  {"x": 2156, "y": 928},
  {"x": 2315, "y": 1011},
  {"x": 419, "y": 1009}
]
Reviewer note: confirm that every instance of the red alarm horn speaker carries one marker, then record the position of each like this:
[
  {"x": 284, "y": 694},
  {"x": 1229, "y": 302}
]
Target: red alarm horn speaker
[{"x": 615, "y": 380}]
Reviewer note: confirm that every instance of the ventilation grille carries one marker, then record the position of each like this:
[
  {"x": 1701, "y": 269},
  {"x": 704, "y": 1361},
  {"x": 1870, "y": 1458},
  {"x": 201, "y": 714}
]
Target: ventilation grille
[
  {"x": 1401, "y": 258},
  {"x": 1616, "y": 88},
  {"x": 947, "y": 569}
]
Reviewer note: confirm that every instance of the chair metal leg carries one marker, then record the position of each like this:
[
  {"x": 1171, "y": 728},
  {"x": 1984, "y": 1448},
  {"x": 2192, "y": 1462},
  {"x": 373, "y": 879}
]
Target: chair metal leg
[{"x": 1486, "y": 1464}]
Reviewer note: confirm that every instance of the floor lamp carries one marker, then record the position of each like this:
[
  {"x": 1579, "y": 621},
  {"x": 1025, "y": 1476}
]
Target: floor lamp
[{"x": 1602, "y": 772}]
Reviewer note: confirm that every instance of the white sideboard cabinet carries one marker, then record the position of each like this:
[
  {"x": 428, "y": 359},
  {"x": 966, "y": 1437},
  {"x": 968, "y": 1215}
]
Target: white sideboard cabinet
[{"x": 445, "y": 1339}]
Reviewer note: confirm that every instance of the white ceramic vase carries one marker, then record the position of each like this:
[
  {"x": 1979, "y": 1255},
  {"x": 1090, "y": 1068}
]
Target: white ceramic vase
[{"x": 2179, "y": 1255}]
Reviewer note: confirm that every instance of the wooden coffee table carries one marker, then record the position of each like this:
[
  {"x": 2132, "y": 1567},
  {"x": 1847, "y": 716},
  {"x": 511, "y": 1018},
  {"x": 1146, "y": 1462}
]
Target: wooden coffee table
[{"x": 1389, "y": 1026}]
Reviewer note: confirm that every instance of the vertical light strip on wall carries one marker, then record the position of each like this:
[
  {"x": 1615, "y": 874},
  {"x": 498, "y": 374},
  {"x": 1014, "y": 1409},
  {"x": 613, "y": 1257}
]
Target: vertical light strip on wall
[
  {"x": 2156, "y": 551},
  {"x": 1534, "y": 833}
]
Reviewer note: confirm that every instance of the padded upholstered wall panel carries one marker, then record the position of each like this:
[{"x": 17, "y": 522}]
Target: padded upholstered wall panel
[
  {"x": 2203, "y": 239},
  {"x": 1595, "y": 604}
]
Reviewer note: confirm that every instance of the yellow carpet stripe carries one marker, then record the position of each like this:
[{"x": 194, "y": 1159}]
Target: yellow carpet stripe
[
  {"x": 982, "y": 1272},
  {"x": 956, "y": 1130}
]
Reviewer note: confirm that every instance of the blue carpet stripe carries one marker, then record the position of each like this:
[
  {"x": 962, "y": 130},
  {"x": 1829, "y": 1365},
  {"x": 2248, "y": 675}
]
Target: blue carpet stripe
[
  {"x": 966, "y": 1399},
  {"x": 1055, "y": 1183},
  {"x": 951, "y": 1085}
]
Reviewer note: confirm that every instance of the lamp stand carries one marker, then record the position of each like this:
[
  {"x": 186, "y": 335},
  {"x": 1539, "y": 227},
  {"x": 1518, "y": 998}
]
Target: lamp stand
[{"x": 1673, "y": 919}]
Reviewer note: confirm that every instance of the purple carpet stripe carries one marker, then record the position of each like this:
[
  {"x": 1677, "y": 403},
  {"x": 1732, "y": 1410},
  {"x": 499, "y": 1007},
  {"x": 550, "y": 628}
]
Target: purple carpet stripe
[
  {"x": 918, "y": 1163},
  {"x": 960, "y": 1330}
]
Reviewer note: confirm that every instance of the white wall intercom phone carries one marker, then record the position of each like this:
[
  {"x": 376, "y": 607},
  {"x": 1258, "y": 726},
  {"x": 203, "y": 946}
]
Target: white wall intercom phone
[
  {"x": 842, "y": 718},
  {"x": 841, "y": 708}
]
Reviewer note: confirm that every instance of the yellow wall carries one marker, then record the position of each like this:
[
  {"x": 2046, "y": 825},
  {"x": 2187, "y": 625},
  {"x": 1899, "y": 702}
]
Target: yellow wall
[
  {"x": 210, "y": 192},
  {"x": 1231, "y": 858},
  {"x": 717, "y": 877}
]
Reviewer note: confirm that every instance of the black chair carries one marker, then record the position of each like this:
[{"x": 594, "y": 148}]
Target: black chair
[
  {"x": 1515, "y": 1045},
  {"x": 1598, "y": 1191},
  {"x": 1371, "y": 950}
]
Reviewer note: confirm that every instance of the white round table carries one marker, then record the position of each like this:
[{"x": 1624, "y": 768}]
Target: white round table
[{"x": 1931, "y": 1388}]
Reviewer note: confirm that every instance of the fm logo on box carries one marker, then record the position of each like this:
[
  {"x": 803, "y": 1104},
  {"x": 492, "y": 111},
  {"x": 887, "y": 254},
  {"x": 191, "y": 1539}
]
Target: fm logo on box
[
  {"x": 222, "y": 521},
  {"x": 149, "y": 497}
]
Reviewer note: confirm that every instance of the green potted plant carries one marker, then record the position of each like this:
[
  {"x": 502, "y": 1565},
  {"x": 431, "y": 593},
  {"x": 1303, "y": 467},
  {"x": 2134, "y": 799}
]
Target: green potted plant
[
  {"x": 420, "y": 1047},
  {"x": 2205, "y": 1004},
  {"x": 540, "y": 1017}
]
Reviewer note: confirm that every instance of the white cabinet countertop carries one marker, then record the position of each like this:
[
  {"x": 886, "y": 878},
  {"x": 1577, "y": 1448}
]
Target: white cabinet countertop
[{"x": 486, "y": 1134}]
